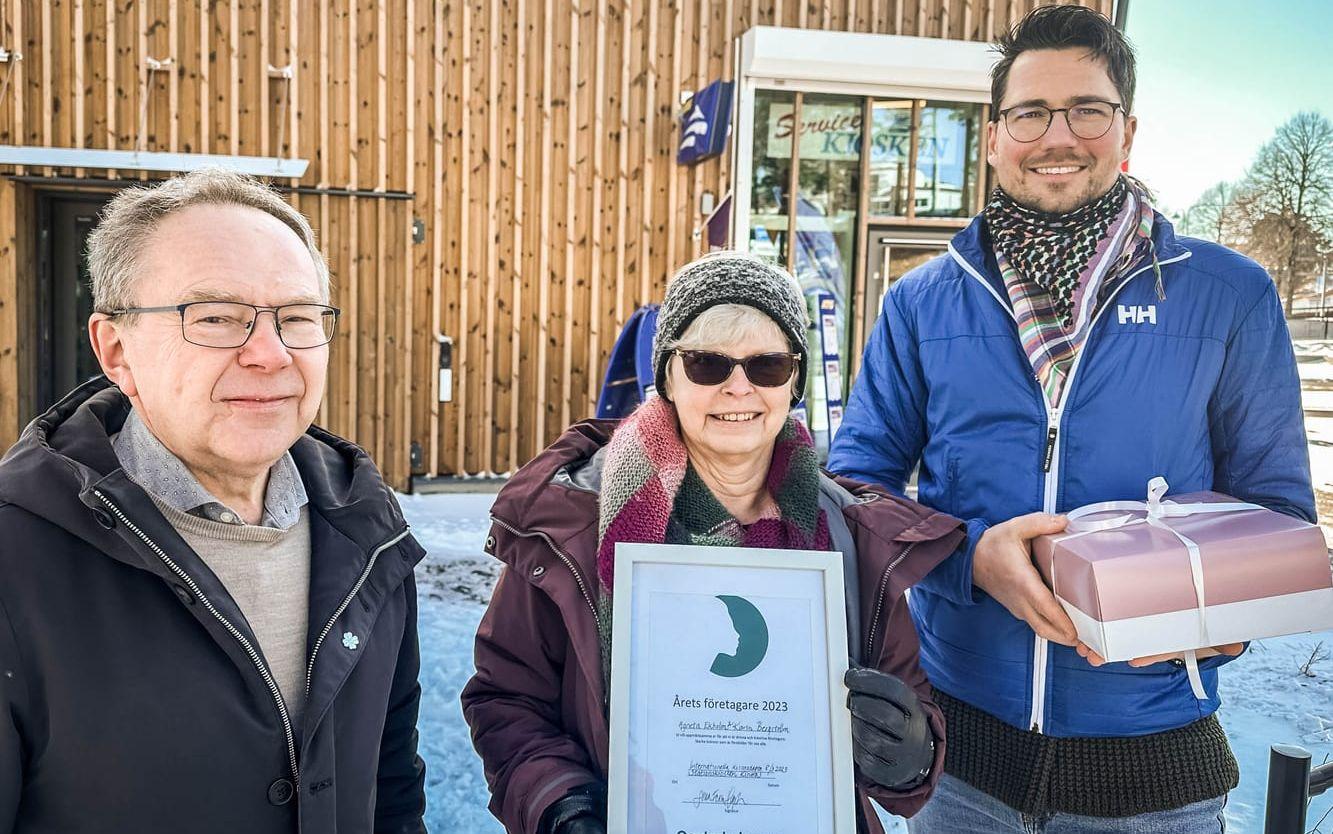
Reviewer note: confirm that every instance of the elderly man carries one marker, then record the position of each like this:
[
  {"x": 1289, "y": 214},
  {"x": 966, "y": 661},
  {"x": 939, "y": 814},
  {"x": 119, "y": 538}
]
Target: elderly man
[
  {"x": 1069, "y": 348},
  {"x": 207, "y": 607}
]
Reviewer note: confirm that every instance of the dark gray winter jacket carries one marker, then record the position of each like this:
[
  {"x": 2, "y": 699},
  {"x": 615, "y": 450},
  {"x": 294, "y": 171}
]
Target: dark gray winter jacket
[{"x": 133, "y": 695}]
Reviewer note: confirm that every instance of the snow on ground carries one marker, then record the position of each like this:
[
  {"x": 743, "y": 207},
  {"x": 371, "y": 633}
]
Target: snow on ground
[
  {"x": 1314, "y": 360},
  {"x": 453, "y": 583},
  {"x": 1266, "y": 698}
]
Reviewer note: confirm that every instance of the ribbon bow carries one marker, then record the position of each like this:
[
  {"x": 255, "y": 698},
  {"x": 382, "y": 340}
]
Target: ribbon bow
[{"x": 1155, "y": 512}]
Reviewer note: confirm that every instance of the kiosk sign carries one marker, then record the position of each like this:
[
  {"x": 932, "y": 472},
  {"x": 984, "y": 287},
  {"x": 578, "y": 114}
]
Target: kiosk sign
[{"x": 833, "y": 132}]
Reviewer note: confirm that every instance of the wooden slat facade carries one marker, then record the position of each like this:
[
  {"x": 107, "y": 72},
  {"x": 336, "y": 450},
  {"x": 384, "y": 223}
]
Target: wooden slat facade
[{"x": 532, "y": 140}]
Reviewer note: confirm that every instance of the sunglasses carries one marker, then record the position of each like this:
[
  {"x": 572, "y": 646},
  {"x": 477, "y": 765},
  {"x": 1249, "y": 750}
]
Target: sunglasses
[{"x": 767, "y": 370}]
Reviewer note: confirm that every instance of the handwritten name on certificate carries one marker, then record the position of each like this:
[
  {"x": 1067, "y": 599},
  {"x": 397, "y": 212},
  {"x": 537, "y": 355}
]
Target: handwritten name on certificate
[{"x": 728, "y": 715}]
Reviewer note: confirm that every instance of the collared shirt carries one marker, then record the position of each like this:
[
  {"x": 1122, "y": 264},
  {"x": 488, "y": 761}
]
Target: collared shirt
[{"x": 152, "y": 466}]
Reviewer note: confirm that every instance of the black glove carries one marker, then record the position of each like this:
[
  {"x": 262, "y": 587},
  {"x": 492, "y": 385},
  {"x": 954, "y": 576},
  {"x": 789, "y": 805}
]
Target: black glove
[
  {"x": 578, "y": 812},
  {"x": 892, "y": 742},
  {"x": 582, "y": 825}
]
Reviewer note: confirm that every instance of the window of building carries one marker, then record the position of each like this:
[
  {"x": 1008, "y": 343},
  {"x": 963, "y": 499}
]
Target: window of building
[
  {"x": 774, "y": 119},
  {"x": 925, "y": 158},
  {"x": 829, "y": 173},
  {"x": 948, "y": 159}
]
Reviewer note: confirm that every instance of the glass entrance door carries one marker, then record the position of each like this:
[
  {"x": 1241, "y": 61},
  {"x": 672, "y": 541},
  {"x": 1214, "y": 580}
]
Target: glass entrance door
[
  {"x": 890, "y": 256},
  {"x": 67, "y": 299}
]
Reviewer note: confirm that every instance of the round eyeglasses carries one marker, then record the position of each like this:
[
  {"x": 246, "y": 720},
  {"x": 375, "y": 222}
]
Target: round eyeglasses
[
  {"x": 229, "y": 324},
  {"x": 1086, "y": 120}
]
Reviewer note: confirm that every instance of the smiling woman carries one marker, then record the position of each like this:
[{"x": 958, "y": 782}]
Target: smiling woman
[
  {"x": 729, "y": 420},
  {"x": 716, "y": 460}
]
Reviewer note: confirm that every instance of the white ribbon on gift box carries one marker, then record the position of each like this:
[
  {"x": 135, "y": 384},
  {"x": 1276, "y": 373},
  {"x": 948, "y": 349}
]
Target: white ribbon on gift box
[{"x": 1156, "y": 512}]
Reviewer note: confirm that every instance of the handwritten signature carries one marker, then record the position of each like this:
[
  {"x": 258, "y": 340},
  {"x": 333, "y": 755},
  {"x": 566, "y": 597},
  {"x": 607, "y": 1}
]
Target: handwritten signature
[{"x": 729, "y": 799}]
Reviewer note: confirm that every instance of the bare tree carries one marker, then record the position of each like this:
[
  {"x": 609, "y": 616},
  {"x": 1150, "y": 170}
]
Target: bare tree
[
  {"x": 1285, "y": 203},
  {"x": 1213, "y": 216}
]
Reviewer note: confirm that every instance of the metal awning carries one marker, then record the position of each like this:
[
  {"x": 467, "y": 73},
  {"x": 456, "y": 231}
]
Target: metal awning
[
  {"x": 866, "y": 64},
  {"x": 263, "y": 166}
]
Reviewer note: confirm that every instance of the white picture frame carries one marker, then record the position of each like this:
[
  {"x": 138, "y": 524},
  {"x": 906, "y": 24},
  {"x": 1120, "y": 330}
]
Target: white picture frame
[{"x": 697, "y": 747}]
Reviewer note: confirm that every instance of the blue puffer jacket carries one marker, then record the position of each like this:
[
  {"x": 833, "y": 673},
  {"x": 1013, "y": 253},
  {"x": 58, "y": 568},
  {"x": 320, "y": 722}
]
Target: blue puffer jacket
[{"x": 1198, "y": 386}]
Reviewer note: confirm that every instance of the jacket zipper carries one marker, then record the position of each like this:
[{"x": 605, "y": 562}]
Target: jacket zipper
[
  {"x": 879, "y": 603},
  {"x": 227, "y": 624},
  {"x": 569, "y": 563},
  {"x": 1051, "y": 459},
  {"x": 365, "y": 574},
  {"x": 1050, "y": 488}
]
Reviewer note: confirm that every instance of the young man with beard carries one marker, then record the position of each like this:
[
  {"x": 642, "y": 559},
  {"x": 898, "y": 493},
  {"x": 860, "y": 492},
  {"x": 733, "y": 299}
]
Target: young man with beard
[{"x": 1069, "y": 348}]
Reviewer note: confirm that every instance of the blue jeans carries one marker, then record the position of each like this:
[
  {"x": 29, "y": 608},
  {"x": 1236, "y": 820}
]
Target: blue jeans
[{"x": 958, "y": 808}]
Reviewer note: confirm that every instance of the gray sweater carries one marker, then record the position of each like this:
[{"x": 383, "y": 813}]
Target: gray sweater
[{"x": 265, "y": 568}]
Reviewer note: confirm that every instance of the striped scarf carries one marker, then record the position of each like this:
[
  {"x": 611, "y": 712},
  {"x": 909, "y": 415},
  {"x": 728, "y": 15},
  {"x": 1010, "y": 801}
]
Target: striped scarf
[
  {"x": 651, "y": 494},
  {"x": 1055, "y": 315}
]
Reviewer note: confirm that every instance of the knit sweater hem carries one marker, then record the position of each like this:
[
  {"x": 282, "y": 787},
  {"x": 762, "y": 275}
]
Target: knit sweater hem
[{"x": 1040, "y": 775}]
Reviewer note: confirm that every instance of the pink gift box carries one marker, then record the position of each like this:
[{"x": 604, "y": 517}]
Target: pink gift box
[{"x": 1131, "y": 589}]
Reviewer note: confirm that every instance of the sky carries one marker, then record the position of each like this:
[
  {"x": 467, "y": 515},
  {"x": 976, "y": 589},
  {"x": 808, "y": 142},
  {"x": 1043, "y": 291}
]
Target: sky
[{"x": 1216, "y": 78}]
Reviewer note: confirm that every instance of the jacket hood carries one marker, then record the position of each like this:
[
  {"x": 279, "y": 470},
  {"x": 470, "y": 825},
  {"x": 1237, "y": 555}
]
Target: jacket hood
[
  {"x": 65, "y": 456},
  {"x": 556, "y": 493}
]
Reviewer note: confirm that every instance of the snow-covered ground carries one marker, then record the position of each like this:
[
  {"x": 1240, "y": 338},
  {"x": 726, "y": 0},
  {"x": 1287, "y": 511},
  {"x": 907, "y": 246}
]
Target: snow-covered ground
[{"x": 1266, "y": 697}]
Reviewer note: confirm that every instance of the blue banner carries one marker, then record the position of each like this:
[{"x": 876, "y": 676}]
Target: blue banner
[{"x": 703, "y": 130}]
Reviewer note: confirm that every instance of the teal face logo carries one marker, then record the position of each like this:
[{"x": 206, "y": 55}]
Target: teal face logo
[{"x": 752, "y": 642}]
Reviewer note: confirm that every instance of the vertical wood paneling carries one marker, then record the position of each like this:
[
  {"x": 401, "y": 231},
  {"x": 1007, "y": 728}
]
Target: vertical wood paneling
[
  {"x": 158, "y": 43},
  {"x": 698, "y": 77},
  {"x": 10, "y": 414},
  {"x": 48, "y": 49},
  {"x": 611, "y": 221},
  {"x": 578, "y": 290},
  {"x": 422, "y": 172},
  {"x": 490, "y": 161},
  {"x": 528, "y": 320},
  {"x": 621, "y": 250},
  {"x": 453, "y": 417},
  {"x": 594, "y": 361},
  {"x": 471, "y": 327},
  {"x": 536, "y": 139},
  {"x": 11, "y": 105},
  {"x": 93, "y": 47},
  {"x": 670, "y": 104},
  {"x": 364, "y": 126},
  {"x": 562, "y": 339},
  {"x": 519, "y": 151},
  {"x": 188, "y": 117},
  {"x": 545, "y": 427},
  {"x": 648, "y": 141}
]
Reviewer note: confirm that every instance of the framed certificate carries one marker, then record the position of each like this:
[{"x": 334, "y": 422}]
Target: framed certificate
[{"x": 728, "y": 709}]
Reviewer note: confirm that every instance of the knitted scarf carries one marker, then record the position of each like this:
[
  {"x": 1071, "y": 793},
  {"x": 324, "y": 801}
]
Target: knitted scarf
[
  {"x": 652, "y": 494},
  {"x": 1051, "y": 342},
  {"x": 1052, "y": 250}
]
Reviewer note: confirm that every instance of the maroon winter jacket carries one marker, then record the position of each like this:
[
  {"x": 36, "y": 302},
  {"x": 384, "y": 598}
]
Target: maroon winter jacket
[{"x": 537, "y": 705}]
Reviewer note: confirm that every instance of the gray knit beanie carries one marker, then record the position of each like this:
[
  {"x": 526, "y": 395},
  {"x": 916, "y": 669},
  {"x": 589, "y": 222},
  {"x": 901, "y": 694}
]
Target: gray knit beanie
[{"x": 731, "y": 278}]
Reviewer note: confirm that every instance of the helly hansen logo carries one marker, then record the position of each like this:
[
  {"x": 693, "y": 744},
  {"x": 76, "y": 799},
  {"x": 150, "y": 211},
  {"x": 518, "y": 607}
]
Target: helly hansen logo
[{"x": 1136, "y": 315}]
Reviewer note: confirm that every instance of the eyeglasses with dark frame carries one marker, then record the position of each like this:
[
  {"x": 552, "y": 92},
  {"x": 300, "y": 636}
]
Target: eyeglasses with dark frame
[
  {"x": 1087, "y": 120},
  {"x": 230, "y": 324},
  {"x": 767, "y": 370}
]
